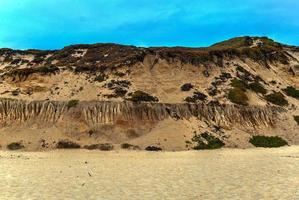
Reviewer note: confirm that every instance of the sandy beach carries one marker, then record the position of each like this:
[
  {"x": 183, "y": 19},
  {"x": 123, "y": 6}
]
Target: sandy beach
[{"x": 220, "y": 174}]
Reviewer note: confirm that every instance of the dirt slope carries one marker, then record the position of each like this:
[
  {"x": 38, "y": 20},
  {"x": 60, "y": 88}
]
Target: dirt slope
[{"x": 245, "y": 77}]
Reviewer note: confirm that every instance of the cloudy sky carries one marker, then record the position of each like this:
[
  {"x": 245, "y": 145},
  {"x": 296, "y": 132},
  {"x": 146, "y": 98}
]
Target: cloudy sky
[{"x": 52, "y": 24}]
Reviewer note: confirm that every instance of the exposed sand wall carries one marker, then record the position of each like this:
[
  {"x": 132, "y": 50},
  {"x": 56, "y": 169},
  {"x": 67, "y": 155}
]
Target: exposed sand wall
[{"x": 13, "y": 112}]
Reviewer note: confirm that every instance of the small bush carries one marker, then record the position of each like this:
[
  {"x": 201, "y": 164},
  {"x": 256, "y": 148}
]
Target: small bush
[
  {"x": 211, "y": 142},
  {"x": 296, "y": 118},
  {"x": 277, "y": 98},
  {"x": 72, "y": 103},
  {"x": 142, "y": 96},
  {"x": 102, "y": 147},
  {"x": 197, "y": 96},
  {"x": 120, "y": 92},
  {"x": 186, "y": 87},
  {"x": 264, "y": 141},
  {"x": 257, "y": 87},
  {"x": 48, "y": 69},
  {"x": 238, "y": 96},
  {"x": 118, "y": 83},
  {"x": 237, "y": 83},
  {"x": 15, "y": 92},
  {"x": 126, "y": 146},
  {"x": 67, "y": 144},
  {"x": 153, "y": 148},
  {"x": 129, "y": 146},
  {"x": 15, "y": 146},
  {"x": 292, "y": 92},
  {"x": 100, "y": 78}
]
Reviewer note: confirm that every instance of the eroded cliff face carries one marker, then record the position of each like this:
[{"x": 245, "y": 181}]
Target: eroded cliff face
[{"x": 14, "y": 112}]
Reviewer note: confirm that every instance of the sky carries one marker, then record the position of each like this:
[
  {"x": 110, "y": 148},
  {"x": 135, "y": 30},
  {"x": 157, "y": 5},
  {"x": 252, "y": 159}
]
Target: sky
[{"x": 53, "y": 24}]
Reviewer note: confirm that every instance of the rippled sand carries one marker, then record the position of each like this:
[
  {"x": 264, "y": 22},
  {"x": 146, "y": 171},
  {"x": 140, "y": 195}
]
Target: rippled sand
[{"x": 221, "y": 174}]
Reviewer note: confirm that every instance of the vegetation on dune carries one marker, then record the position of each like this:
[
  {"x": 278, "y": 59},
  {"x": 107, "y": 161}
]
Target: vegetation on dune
[
  {"x": 206, "y": 141},
  {"x": 197, "y": 96},
  {"x": 186, "y": 87},
  {"x": 15, "y": 146},
  {"x": 241, "y": 84},
  {"x": 277, "y": 98},
  {"x": 102, "y": 147},
  {"x": 265, "y": 141},
  {"x": 139, "y": 96},
  {"x": 245, "y": 42},
  {"x": 238, "y": 96},
  {"x": 153, "y": 148},
  {"x": 292, "y": 92},
  {"x": 257, "y": 87},
  {"x": 44, "y": 70},
  {"x": 266, "y": 50},
  {"x": 67, "y": 144},
  {"x": 72, "y": 103}
]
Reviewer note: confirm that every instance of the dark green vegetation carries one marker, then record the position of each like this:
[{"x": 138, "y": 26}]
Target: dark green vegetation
[
  {"x": 264, "y": 141},
  {"x": 246, "y": 41},
  {"x": 296, "y": 118},
  {"x": 129, "y": 146},
  {"x": 238, "y": 96},
  {"x": 100, "y": 78},
  {"x": 257, "y": 87},
  {"x": 15, "y": 146},
  {"x": 241, "y": 84},
  {"x": 118, "y": 83},
  {"x": 186, "y": 87},
  {"x": 140, "y": 96},
  {"x": 197, "y": 97},
  {"x": 67, "y": 144},
  {"x": 15, "y": 92},
  {"x": 72, "y": 103},
  {"x": 277, "y": 98},
  {"x": 153, "y": 148},
  {"x": 266, "y": 49},
  {"x": 24, "y": 73},
  {"x": 206, "y": 141},
  {"x": 292, "y": 92},
  {"x": 102, "y": 147}
]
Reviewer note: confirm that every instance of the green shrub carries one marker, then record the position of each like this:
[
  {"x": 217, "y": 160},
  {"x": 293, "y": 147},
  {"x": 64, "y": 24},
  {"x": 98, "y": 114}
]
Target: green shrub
[
  {"x": 237, "y": 83},
  {"x": 211, "y": 142},
  {"x": 142, "y": 96},
  {"x": 296, "y": 118},
  {"x": 129, "y": 146},
  {"x": 48, "y": 69},
  {"x": 67, "y": 144},
  {"x": 257, "y": 87},
  {"x": 264, "y": 141},
  {"x": 45, "y": 70},
  {"x": 238, "y": 96},
  {"x": 292, "y": 92},
  {"x": 120, "y": 92},
  {"x": 153, "y": 148},
  {"x": 197, "y": 96},
  {"x": 102, "y": 147},
  {"x": 277, "y": 98},
  {"x": 15, "y": 146},
  {"x": 15, "y": 92},
  {"x": 72, "y": 103},
  {"x": 186, "y": 87}
]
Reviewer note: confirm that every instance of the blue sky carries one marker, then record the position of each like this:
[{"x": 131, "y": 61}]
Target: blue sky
[{"x": 52, "y": 24}]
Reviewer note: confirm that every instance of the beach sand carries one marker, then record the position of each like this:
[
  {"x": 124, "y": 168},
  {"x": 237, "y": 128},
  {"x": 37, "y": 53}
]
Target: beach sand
[{"x": 220, "y": 174}]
